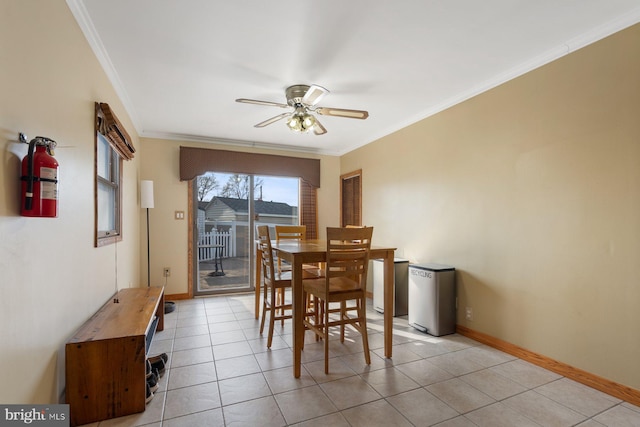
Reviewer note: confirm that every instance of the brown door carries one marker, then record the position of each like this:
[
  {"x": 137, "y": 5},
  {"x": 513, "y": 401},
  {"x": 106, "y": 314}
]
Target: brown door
[{"x": 351, "y": 198}]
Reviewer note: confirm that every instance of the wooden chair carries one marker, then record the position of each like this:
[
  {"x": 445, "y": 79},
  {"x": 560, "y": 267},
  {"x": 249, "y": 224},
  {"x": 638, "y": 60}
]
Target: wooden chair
[
  {"x": 345, "y": 280},
  {"x": 297, "y": 232},
  {"x": 343, "y": 306},
  {"x": 275, "y": 281}
]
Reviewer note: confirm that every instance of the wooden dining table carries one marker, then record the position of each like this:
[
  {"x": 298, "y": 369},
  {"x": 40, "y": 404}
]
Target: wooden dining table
[{"x": 299, "y": 252}]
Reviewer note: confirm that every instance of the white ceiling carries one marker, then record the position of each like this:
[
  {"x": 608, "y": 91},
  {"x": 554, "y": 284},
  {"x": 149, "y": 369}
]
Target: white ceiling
[{"x": 179, "y": 65}]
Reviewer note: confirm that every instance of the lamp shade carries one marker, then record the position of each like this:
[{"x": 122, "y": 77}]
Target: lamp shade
[{"x": 146, "y": 194}]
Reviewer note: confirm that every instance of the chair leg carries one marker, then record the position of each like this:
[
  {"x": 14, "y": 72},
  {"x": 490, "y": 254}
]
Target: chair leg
[
  {"x": 264, "y": 309},
  {"x": 318, "y": 313},
  {"x": 343, "y": 315},
  {"x": 325, "y": 328},
  {"x": 272, "y": 317},
  {"x": 281, "y": 295},
  {"x": 362, "y": 314},
  {"x": 309, "y": 313},
  {"x": 306, "y": 317}
]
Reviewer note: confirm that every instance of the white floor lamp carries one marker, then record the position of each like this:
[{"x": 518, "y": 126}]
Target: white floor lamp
[{"x": 146, "y": 202}]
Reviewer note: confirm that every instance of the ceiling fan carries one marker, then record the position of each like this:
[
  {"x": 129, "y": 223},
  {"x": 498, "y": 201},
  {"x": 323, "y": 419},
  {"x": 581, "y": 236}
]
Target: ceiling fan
[{"x": 303, "y": 99}]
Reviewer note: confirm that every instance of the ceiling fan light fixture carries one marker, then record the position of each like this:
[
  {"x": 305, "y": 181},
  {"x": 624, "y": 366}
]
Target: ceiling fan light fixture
[
  {"x": 301, "y": 121},
  {"x": 295, "y": 123},
  {"x": 308, "y": 121}
]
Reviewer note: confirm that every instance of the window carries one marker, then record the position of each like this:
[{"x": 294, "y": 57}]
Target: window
[
  {"x": 108, "y": 174},
  {"x": 113, "y": 144},
  {"x": 198, "y": 161}
]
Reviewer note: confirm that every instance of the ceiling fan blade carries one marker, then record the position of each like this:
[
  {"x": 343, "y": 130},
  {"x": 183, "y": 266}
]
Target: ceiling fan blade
[
  {"x": 314, "y": 94},
  {"x": 272, "y": 120},
  {"x": 340, "y": 112},
  {"x": 318, "y": 129},
  {"x": 257, "y": 102}
]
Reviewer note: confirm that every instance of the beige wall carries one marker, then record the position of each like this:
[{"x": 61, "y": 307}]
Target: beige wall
[
  {"x": 169, "y": 237},
  {"x": 51, "y": 277},
  {"x": 532, "y": 191}
]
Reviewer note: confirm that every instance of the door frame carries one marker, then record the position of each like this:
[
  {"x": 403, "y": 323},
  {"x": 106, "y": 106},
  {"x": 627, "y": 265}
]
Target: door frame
[
  {"x": 356, "y": 199},
  {"x": 192, "y": 264}
]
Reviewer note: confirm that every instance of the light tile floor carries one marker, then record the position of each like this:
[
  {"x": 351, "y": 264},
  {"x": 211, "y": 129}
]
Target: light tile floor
[{"x": 220, "y": 373}]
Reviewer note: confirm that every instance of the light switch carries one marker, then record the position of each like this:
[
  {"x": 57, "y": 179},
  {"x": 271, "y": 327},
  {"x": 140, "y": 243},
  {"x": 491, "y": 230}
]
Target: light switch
[{"x": 179, "y": 214}]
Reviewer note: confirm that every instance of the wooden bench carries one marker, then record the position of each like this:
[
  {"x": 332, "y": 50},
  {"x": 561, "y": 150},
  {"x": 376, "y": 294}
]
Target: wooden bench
[{"x": 105, "y": 359}]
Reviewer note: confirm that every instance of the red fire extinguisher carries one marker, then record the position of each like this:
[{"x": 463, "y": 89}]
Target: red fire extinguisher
[{"x": 39, "y": 179}]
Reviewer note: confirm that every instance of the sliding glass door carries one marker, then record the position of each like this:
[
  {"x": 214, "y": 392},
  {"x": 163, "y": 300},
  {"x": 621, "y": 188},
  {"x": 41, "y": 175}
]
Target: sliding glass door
[{"x": 228, "y": 207}]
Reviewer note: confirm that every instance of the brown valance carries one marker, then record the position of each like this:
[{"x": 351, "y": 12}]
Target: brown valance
[
  {"x": 108, "y": 125},
  {"x": 197, "y": 161}
]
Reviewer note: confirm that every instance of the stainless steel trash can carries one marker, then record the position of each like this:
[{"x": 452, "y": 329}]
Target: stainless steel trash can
[
  {"x": 432, "y": 298},
  {"x": 401, "y": 294}
]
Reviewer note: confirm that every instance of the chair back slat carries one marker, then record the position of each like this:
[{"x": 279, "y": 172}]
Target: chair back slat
[{"x": 291, "y": 232}]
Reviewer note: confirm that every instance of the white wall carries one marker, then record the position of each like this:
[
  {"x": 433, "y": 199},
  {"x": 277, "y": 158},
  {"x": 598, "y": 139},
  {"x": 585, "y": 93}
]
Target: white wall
[{"x": 51, "y": 277}]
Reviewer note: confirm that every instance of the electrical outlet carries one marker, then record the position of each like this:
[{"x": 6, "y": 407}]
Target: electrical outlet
[
  {"x": 468, "y": 312},
  {"x": 166, "y": 272}
]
